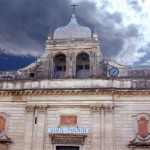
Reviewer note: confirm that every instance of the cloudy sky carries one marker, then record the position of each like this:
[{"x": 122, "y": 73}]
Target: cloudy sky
[{"x": 123, "y": 27}]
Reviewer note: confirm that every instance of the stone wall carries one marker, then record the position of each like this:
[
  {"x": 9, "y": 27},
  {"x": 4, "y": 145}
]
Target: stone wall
[{"x": 107, "y": 114}]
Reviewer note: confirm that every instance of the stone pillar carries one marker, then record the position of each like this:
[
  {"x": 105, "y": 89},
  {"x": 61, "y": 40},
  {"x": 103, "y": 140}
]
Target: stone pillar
[
  {"x": 73, "y": 56},
  {"x": 102, "y": 127},
  {"x": 91, "y": 63},
  {"x": 96, "y": 128},
  {"x": 71, "y": 64},
  {"x": 52, "y": 70},
  {"x": 109, "y": 134},
  {"x": 41, "y": 124},
  {"x": 98, "y": 60},
  {"x": 94, "y": 64},
  {"x": 102, "y": 130},
  {"x": 29, "y": 127},
  {"x": 67, "y": 65}
]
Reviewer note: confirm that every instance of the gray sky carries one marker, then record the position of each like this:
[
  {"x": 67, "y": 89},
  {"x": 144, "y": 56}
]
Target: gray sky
[{"x": 123, "y": 26}]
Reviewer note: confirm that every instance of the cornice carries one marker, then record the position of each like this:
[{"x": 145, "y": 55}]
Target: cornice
[{"x": 75, "y": 92}]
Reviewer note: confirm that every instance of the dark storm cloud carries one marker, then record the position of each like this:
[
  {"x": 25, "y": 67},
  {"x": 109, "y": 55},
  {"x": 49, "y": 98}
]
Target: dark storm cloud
[
  {"x": 109, "y": 37},
  {"x": 112, "y": 32},
  {"x": 24, "y": 24}
]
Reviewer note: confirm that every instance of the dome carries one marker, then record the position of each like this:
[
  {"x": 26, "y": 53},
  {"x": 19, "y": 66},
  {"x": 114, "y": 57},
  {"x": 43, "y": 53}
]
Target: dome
[{"x": 72, "y": 31}]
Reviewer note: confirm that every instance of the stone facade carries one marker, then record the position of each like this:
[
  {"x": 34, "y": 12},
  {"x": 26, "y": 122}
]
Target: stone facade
[{"x": 94, "y": 104}]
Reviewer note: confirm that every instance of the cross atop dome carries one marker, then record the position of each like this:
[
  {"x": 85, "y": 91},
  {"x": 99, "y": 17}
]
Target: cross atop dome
[
  {"x": 74, "y": 7},
  {"x": 73, "y": 30}
]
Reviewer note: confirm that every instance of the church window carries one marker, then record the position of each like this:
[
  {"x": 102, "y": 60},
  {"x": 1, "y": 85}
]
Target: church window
[
  {"x": 31, "y": 75},
  {"x": 87, "y": 66},
  {"x": 82, "y": 66},
  {"x": 60, "y": 66}
]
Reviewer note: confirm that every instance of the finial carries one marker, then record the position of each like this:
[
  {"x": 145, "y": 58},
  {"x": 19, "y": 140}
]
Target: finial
[{"x": 74, "y": 7}]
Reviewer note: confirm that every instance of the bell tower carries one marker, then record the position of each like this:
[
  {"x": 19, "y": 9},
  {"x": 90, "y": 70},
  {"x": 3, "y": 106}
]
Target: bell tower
[{"x": 74, "y": 52}]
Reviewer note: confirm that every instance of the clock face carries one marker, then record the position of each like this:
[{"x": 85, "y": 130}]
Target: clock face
[{"x": 113, "y": 72}]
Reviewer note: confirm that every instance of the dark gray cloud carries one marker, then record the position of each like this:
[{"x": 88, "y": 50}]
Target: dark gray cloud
[{"x": 24, "y": 24}]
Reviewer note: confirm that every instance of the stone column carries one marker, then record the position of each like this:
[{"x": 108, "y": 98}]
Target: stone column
[
  {"x": 67, "y": 65},
  {"x": 96, "y": 128},
  {"x": 41, "y": 124},
  {"x": 29, "y": 127},
  {"x": 73, "y": 56},
  {"x": 109, "y": 144},
  {"x": 51, "y": 61},
  {"x": 95, "y": 65},
  {"x": 91, "y": 63},
  {"x": 102, "y": 127},
  {"x": 72, "y": 64},
  {"x": 102, "y": 130},
  {"x": 98, "y": 60}
]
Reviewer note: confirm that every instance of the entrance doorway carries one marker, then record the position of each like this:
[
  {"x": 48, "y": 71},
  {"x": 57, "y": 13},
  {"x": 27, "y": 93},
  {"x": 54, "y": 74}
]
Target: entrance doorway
[{"x": 67, "y": 147}]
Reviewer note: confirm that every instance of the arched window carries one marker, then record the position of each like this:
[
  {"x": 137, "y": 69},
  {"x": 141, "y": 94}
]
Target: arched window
[
  {"x": 60, "y": 66},
  {"x": 82, "y": 66}
]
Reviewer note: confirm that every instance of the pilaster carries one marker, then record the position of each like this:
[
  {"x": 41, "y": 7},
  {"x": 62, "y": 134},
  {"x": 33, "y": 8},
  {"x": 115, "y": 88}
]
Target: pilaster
[
  {"x": 102, "y": 127},
  {"x": 51, "y": 61},
  {"x": 102, "y": 130},
  {"x": 91, "y": 64},
  {"x": 96, "y": 127},
  {"x": 29, "y": 127},
  {"x": 109, "y": 133},
  {"x": 41, "y": 125}
]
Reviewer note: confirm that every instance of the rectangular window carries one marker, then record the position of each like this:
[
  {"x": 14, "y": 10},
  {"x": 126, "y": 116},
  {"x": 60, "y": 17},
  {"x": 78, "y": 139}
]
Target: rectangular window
[
  {"x": 59, "y": 68},
  {"x": 87, "y": 67},
  {"x": 80, "y": 67},
  {"x": 64, "y": 67}
]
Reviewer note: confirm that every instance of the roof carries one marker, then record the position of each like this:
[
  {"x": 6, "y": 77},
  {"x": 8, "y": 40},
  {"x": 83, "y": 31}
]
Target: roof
[{"x": 72, "y": 30}]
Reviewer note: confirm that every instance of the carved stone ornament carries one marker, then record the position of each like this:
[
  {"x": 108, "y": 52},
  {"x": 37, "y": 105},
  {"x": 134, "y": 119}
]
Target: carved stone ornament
[
  {"x": 30, "y": 108},
  {"x": 75, "y": 92},
  {"x": 41, "y": 108},
  {"x": 106, "y": 107},
  {"x": 142, "y": 130}
]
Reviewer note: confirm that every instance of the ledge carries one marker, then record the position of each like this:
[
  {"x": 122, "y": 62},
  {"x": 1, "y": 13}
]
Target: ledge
[{"x": 139, "y": 144}]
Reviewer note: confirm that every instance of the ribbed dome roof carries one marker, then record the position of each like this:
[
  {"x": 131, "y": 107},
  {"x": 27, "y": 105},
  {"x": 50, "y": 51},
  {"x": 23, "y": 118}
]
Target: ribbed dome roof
[{"x": 72, "y": 30}]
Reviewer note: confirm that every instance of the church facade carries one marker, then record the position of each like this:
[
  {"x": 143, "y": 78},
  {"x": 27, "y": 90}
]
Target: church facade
[{"x": 72, "y": 98}]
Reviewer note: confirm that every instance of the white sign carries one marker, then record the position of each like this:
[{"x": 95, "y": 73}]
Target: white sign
[{"x": 68, "y": 130}]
